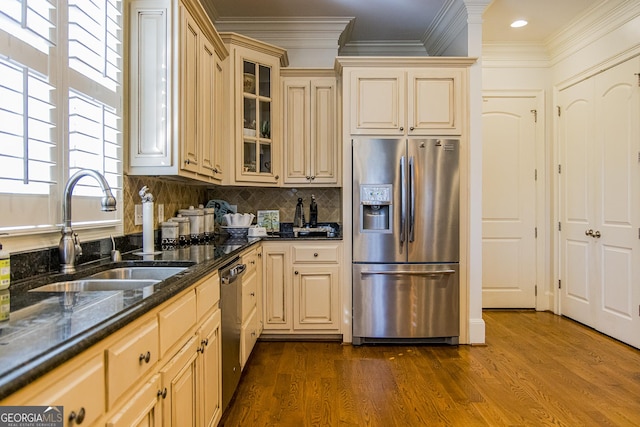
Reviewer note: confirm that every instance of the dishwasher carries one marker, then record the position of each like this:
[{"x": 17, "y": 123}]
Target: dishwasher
[{"x": 231, "y": 311}]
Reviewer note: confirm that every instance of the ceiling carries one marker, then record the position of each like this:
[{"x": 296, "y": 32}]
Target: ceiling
[{"x": 409, "y": 20}]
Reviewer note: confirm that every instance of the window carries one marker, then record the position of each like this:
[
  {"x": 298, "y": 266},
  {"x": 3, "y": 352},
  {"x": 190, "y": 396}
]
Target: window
[{"x": 60, "y": 111}]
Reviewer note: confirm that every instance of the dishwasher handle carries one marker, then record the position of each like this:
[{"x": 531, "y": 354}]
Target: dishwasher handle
[{"x": 234, "y": 273}]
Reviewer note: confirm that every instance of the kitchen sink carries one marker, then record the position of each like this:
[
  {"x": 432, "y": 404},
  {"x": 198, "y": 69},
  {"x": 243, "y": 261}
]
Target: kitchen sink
[
  {"x": 138, "y": 273},
  {"x": 115, "y": 279},
  {"x": 88, "y": 285}
]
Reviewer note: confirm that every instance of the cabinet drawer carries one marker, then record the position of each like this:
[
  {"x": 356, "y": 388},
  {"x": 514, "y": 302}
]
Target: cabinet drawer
[
  {"x": 248, "y": 337},
  {"x": 312, "y": 253},
  {"x": 249, "y": 294},
  {"x": 207, "y": 294},
  {"x": 131, "y": 357},
  {"x": 175, "y": 320},
  {"x": 250, "y": 259},
  {"x": 80, "y": 391}
]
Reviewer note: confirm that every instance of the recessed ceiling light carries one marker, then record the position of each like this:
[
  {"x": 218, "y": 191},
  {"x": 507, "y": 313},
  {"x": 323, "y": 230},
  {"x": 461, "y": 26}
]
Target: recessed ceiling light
[{"x": 519, "y": 23}]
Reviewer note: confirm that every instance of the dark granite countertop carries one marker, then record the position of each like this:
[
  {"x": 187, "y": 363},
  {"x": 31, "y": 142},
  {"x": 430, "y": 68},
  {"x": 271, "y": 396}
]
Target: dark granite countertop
[{"x": 41, "y": 333}]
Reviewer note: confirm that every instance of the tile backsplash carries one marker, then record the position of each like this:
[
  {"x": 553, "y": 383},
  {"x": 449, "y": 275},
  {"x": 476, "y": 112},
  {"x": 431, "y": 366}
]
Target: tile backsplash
[
  {"x": 176, "y": 195},
  {"x": 252, "y": 199},
  {"x": 173, "y": 194}
]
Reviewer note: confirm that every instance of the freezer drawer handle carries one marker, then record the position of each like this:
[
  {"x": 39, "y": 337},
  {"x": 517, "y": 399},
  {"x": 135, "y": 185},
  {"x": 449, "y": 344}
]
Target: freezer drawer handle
[{"x": 411, "y": 273}]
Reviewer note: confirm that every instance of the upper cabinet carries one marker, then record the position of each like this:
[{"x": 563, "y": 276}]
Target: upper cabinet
[
  {"x": 175, "y": 92},
  {"x": 311, "y": 127},
  {"x": 425, "y": 97},
  {"x": 253, "y": 77}
]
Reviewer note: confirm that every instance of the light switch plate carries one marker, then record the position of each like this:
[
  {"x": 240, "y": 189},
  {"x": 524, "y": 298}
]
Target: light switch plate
[{"x": 137, "y": 219}]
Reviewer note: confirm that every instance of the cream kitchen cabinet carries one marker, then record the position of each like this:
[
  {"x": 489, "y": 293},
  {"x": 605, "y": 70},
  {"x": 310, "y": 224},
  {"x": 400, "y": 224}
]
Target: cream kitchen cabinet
[
  {"x": 311, "y": 126},
  {"x": 302, "y": 287},
  {"x": 417, "y": 96},
  {"x": 79, "y": 387},
  {"x": 144, "y": 408},
  {"x": 251, "y": 325},
  {"x": 175, "y": 65},
  {"x": 253, "y": 78},
  {"x": 163, "y": 369}
]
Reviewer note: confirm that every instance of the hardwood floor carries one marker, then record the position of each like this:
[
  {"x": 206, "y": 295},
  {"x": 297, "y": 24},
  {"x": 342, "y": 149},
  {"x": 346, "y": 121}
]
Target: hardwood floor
[{"x": 536, "y": 369}]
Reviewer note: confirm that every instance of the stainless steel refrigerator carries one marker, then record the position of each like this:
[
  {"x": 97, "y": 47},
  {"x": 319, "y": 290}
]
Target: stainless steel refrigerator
[{"x": 406, "y": 240}]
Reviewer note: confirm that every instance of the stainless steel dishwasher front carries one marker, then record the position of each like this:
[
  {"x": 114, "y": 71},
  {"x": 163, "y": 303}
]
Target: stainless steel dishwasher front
[{"x": 231, "y": 308}]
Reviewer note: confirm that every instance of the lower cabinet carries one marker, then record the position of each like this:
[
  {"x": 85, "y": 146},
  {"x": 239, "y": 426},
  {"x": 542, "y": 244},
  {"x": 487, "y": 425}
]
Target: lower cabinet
[
  {"x": 210, "y": 370},
  {"x": 301, "y": 287},
  {"x": 142, "y": 409},
  {"x": 163, "y": 369}
]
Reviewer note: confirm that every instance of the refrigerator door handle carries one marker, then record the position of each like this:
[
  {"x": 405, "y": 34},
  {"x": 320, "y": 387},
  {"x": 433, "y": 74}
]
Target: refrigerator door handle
[
  {"x": 403, "y": 200},
  {"x": 412, "y": 199},
  {"x": 435, "y": 273}
]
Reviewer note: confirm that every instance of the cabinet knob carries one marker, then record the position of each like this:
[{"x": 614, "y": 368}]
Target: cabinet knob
[
  {"x": 315, "y": 254},
  {"x": 253, "y": 294},
  {"x": 411, "y": 128},
  {"x": 146, "y": 357},
  {"x": 295, "y": 272},
  {"x": 308, "y": 178},
  {"x": 401, "y": 128},
  {"x": 588, "y": 232},
  {"x": 200, "y": 349},
  {"x": 162, "y": 393},
  {"x": 277, "y": 177},
  {"x": 597, "y": 234},
  {"x": 205, "y": 342},
  {"x": 187, "y": 161},
  {"x": 77, "y": 418}
]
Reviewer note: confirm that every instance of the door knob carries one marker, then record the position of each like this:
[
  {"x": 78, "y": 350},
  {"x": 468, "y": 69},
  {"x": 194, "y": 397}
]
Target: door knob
[{"x": 589, "y": 232}]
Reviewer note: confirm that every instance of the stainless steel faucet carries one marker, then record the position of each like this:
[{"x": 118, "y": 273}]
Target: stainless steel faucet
[{"x": 69, "y": 247}]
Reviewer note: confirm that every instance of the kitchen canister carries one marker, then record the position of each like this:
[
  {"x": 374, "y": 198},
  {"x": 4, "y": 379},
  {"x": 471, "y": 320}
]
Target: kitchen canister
[
  {"x": 209, "y": 222},
  {"x": 196, "y": 217},
  {"x": 170, "y": 234},
  {"x": 184, "y": 229}
]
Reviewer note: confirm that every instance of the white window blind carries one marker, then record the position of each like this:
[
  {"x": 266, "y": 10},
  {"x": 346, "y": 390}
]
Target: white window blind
[{"x": 60, "y": 110}]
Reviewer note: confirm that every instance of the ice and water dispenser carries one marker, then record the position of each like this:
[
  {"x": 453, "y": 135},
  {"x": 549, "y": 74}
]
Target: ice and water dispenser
[{"x": 376, "y": 209}]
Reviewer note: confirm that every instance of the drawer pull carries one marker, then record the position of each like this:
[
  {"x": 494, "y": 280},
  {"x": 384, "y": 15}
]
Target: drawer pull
[
  {"x": 77, "y": 418},
  {"x": 205, "y": 342},
  {"x": 200, "y": 349},
  {"x": 162, "y": 393},
  {"x": 253, "y": 294},
  {"x": 144, "y": 357}
]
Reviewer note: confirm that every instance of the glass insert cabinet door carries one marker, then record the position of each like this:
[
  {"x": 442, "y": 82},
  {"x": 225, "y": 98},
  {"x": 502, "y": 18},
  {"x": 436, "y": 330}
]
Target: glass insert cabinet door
[{"x": 256, "y": 119}]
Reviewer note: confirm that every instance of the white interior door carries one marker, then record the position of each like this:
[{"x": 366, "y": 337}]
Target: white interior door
[
  {"x": 576, "y": 138},
  {"x": 617, "y": 187},
  {"x": 509, "y": 202},
  {"x": 599, "y": 142}
]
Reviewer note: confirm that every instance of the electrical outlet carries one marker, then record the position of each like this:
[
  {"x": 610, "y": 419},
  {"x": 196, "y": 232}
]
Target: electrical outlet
[
  {"x": 160, "y": 213},
  {"x": 137, "y": 219}
]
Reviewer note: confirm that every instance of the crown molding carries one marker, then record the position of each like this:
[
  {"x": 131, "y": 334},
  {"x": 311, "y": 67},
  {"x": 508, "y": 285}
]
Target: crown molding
[
  {"x": 384, "y": 48},
  {"x": 290, "y": 32},
  {"x": 450, "y": 20},
  {"x": 515, "y": 55},
  {"x": 591, "y": 26}
]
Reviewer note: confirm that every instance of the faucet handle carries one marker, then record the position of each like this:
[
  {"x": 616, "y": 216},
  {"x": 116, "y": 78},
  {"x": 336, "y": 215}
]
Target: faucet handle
[{"x": 78, "y": 248}]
